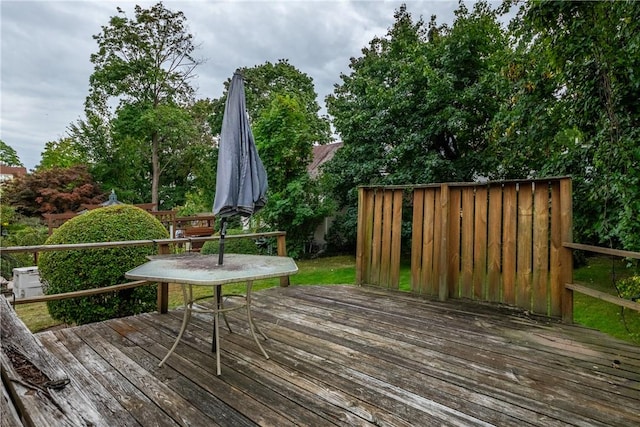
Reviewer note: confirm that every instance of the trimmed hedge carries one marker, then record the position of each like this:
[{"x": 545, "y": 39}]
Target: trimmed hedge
[
  {"x": 74, "y": 270},
  {"x": 235, "y": 246}
]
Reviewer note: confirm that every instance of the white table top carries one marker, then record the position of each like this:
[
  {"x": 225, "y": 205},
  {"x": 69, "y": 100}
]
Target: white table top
[{"x": 203, "y": 270}]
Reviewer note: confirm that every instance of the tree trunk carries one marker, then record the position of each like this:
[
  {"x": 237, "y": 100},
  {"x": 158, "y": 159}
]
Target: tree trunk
[{"x": 155, "y": 167}]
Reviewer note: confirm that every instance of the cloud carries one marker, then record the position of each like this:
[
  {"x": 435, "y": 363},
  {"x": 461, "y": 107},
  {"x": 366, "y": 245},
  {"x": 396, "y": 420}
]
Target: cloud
[{"x": 46, "y": 47}]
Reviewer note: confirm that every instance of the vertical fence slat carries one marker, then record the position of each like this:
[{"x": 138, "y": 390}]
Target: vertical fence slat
[
  {"x": 566, "y": 256},
  {"x": 396, "y": 241},
  {"x": 480, "y": 243},
  {"x": 365, "y": 236},
  {"x": 386, "y": 230},
  {"x": 427, "y": 243},
  {"x": 524, "y": 239},
  {"x": 360, "y": 236},
  {"x": 376, "y": 252},
  {"x": 494, "y": 243},
  {"x": 509, "y": 229},
  {"x": 416, "y": 239},
  {"x": 443, "y": 238},
  {"x": 541, "y": 249},
  {"x": 556, "y": 246},
  {"x": 466, "y": 242},
  {"x": 437, "y": 236},
  {"x": 455, "y": 200}
]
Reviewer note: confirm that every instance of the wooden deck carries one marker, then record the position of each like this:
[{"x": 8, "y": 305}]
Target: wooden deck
[{"x": 351, "y": 356}]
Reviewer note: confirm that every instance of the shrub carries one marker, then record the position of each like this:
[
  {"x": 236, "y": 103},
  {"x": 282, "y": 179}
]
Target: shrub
[
  {"x": 630, "y": 287},
  {"x": 235, "y": 246},
  {"x": 24, "y": 235},
  {"x": 17, "y": 230},
  {"x": 73, "y": 270}
]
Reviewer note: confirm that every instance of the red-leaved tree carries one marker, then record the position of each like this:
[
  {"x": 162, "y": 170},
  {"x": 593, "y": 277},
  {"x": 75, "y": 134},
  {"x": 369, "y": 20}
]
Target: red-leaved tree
[{"x": 55, "y": 190}]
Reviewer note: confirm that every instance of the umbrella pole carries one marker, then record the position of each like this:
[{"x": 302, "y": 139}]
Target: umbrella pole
[{"x": 223, "y": 232}]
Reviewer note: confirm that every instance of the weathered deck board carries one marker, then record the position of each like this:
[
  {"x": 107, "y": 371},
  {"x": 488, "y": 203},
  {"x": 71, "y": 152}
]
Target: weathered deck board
[{"x": 348, "y": 356}]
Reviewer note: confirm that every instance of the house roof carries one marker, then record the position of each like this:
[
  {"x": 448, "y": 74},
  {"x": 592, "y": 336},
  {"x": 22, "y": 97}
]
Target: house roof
[
  {"x": 321, "y": 155},
  {"x": 10, "y": 172}
]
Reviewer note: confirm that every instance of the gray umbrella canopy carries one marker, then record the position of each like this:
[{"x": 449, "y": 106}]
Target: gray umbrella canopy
[{"x": 241, "y": 180}]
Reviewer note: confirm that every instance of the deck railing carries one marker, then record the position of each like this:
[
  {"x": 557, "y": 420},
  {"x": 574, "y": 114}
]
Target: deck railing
[
  {"x": 164, "y": 246},
  {"x": 494, "y": 242}
]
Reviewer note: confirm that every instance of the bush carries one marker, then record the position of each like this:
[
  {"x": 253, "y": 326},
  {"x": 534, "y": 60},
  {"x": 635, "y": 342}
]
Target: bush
[
  {"x": 234, "y": 246},
  {"x": 74, "y": 270},
  {"x": 18, "y": 230},
  {"x": 342, "y": 235},
  {"x": 630, "y": 287},
  {"x": 25, "y": 235}
]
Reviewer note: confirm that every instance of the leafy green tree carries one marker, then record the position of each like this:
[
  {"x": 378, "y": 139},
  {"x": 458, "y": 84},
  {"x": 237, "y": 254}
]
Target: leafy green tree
[
  {"x": 264, "y": 82},
  {"x": 62, "y": 153},
  {"x": 418, "y": 105},
  {"x": 9, "y": 156},
  {"x": 282, "y": 104},
  {"x": 580, "y": 59},
  {"x": 198, "y": 165},
  {"x": 284, "y": 137},
  {"x": 297, "y": 209},
  {"x": 371, "y": 106},
  {"x": 147, "y": 64},
  {"x": 530, "y": 122}
]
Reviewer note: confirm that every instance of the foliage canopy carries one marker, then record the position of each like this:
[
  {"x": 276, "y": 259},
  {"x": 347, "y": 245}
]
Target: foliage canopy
[
  {"x": 146, "y": 64},
  {"x": 9, "y": 156},
  {"x": 555, "y": 94}
]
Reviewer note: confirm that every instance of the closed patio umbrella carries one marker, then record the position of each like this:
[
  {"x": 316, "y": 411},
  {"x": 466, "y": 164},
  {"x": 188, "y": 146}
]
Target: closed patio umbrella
[{"x": 241, "y": 180}]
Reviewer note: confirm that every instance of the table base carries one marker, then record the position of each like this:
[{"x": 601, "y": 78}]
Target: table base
[{"x": 187, "y": 294}]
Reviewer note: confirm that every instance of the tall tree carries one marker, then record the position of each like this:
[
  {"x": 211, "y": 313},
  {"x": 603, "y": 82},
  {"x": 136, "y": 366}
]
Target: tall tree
[
  {"x": 264, "y": 82},
  {"x": 580, "y": 71},
  {"x": 62, "y": 153},
  {"x": 146, "y": 64},
  {"x": 418, "y": 104},
  {"x": 372, "y": 107},
  {"x": 284, "y": 137},
  {"x": 9, "y": 156},
  {"x": 284, "y": 112}
]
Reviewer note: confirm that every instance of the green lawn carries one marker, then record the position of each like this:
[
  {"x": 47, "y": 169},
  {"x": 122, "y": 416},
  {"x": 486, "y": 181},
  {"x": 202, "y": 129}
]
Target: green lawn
[
  {"x": 320, "y": 271},
  {"x": 590, "y": 312},
  {"x": 602, "y": 273}
]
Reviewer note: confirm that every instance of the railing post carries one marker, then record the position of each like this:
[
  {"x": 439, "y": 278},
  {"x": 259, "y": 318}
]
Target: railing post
[
  {"x": 163, "y": 288},
  {"x": 566, "y": 255},
  {"x": 282, "y": 251}
]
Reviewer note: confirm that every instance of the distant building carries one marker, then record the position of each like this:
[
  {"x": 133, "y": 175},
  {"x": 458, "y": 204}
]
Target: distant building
[
  {"x": 321, "y": 155},
  {"x": 9, "y": 172}
]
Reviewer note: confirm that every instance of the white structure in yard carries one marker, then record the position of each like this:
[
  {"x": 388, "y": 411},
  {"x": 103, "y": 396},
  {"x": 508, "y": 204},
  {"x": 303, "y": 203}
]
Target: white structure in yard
[{"x": 26, "y": 282}]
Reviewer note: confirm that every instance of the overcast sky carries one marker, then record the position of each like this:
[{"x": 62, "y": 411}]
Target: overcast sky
[{"x": 46, "y": 45}]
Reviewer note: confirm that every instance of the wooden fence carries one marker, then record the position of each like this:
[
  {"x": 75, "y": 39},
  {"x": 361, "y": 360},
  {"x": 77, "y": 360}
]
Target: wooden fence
[
  {"x": 495, "y": 242},
  {"x": 196, "y": 225}
]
